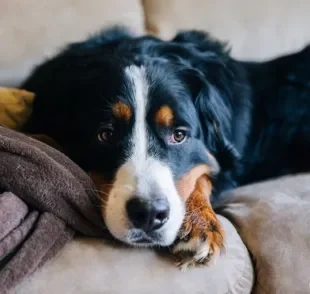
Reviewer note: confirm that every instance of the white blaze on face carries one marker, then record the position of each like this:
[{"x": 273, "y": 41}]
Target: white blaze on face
[{"x": 141, "y": 175}]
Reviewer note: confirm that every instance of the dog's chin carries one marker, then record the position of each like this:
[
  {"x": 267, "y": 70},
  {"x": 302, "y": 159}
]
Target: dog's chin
[
  {"x": 139, "y": 238},
  {"x": 162, "y": 237}
]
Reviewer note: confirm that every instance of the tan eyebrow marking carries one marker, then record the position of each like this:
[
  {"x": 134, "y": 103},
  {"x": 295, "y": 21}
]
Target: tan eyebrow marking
[
  {"x": 164, "y": 116},
  {"x": 122, "y": 110}
]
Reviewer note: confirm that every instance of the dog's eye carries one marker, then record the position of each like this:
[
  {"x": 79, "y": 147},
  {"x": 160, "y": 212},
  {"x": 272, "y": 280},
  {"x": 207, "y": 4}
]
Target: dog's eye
[
  {"x": 178, "y": 136},
  {"x": 106, "y": 135}
]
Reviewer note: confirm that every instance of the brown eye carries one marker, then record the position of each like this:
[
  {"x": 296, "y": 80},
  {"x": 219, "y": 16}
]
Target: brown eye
[
  {"x": 106, "y": 135},
  {"x": 178, "y": 136}
]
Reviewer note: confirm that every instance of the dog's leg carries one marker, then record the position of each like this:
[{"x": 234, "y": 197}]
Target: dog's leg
[{"x": 201, "y": 237}]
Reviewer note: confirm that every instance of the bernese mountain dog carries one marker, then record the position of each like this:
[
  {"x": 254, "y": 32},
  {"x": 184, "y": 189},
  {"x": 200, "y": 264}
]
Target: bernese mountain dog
[{"x": 164, "y": 127}]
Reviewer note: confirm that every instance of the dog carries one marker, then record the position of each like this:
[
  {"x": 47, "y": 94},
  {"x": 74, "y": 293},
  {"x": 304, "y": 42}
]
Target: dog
[{"x": 164, "y": 127}]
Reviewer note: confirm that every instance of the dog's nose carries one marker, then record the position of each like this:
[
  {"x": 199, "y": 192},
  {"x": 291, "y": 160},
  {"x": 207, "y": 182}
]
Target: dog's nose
[{"x": 148, "y": 215}]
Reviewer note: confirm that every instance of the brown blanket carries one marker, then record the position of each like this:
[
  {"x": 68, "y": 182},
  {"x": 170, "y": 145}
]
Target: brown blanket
[{"x": 44, "y": 199}]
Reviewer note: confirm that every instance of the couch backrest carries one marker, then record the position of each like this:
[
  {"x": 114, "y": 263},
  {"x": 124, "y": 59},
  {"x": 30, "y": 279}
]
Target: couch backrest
[
  {"x": 256, "y": 29},
  {"x": 30, "y": 30}
]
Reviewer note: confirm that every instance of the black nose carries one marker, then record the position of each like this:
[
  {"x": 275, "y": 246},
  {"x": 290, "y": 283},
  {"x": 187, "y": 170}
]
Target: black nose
[{"x": 148, "y": 215}]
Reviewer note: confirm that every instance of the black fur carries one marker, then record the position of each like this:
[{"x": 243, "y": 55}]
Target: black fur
[{"x": 253, "y": 117}]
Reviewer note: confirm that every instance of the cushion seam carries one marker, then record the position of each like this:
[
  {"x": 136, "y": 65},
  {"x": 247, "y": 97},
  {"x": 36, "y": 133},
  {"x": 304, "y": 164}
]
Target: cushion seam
[{"x": 245, "y": 273}]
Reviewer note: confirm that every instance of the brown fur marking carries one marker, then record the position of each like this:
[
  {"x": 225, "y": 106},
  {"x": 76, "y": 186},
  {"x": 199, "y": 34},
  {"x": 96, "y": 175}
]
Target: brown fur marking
[
  {"x": 188, "y": 182},
  {"x": 122, "y": 110},
  {"x": 164, "y": 116},
  {"x": 200, "y": 222}
]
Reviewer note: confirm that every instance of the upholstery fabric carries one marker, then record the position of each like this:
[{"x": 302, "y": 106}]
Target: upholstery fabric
[
  {"x": 254, "y": 29},
  {"x": 273, "y": 220},
  {"x": 34, "y": 29},
  {"x": 94, "y": 266}
]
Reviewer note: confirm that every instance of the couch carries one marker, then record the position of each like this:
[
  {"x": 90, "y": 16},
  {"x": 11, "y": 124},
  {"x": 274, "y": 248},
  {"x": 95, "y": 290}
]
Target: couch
[{"x": 267, "y": 246}]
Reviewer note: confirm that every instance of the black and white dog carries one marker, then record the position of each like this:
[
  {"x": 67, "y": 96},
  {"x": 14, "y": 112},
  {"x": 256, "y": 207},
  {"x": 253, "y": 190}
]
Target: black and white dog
[{"x": 146, "y": 117}]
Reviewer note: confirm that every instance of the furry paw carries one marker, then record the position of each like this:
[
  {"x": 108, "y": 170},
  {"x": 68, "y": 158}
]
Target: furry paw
[{"x": 201, "y": 239}]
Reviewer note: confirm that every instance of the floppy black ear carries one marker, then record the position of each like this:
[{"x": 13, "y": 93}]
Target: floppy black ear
[
  {"x": 219, "y": 89},
  {"x": 204, "y": 41},
  {"x": 103, "y": 37},
  {"x": 216, "y": 115},
  {"x": 58, "y": 82}
]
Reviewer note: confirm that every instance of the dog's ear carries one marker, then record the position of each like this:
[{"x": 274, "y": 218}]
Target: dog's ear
[
  {"x": 103, "y": 37},
  {"x": 203, "y": 40},
  {"x": 215, "y": 114},
  {"x": 59, "y": 83},
  {"x": 212, "y": 78}
]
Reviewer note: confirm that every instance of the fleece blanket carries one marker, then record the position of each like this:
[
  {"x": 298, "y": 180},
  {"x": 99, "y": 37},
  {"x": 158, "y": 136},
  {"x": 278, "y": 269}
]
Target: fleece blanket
[{"x": 44, "y": 200}]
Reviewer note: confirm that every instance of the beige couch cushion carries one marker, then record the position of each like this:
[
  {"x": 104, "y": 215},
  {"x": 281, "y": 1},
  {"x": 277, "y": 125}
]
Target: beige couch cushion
[
  {"x": 33, "y": 29},
  {"x": 255, "y": 29},
  {"x": 273, "y": 220},
  {"x": 90, "y": 266}
]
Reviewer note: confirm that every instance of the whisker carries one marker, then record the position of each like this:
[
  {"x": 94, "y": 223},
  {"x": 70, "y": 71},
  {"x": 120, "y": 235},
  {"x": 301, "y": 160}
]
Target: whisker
[
  {"x": 97, "y": 191},
  {"x": 100, "y": 206}
]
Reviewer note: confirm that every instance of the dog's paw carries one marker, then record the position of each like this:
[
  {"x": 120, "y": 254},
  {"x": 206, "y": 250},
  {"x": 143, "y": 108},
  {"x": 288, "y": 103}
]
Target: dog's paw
[{"x": 201, "y": 239}]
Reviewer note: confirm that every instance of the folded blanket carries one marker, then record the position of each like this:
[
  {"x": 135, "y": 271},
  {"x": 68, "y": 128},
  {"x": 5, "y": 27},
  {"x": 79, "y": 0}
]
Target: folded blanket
[{"x": 46, "y": 199}]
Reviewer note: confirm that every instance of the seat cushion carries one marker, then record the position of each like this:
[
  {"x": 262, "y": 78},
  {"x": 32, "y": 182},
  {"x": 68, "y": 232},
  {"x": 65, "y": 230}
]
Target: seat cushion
[
  {"x": 32, "y": 30},
  {"x": 273, "y": 220},
  {"x": 255, "y": 29},
  {"x": 93, "y": 266}
]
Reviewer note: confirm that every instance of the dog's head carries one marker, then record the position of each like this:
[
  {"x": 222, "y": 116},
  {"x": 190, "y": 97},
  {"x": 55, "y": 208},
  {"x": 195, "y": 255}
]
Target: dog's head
[{"x": 140, "y": 115}]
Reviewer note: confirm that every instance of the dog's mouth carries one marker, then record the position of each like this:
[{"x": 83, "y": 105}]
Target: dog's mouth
[
  {"x": 142, "y": 241},
  {"x": 141, "y": 238}
]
